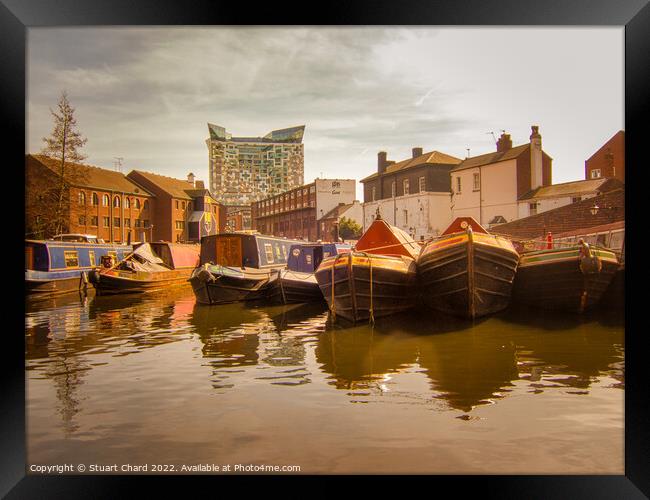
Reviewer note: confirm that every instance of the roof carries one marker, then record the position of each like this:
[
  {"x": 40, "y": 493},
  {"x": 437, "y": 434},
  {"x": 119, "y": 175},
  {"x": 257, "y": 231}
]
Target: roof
[
  {"x": 572, "y": 217},
  {"x": 432, "y": 158},
  {"x": 337, "y": 211},
  {"x": 488, "y": 158},
  {"x": 572, "y": 188},
  {"x": 95, "y": 177},
  {"x": 291, "y": 135},
  {"x": 177, "y": 188},
  {"x": 620, "y": 135}
]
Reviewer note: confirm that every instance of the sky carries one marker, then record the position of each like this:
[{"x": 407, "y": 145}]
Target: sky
[{"x": 146, "y": 94}]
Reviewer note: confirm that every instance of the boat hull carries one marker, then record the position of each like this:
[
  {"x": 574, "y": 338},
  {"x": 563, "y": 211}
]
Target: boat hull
[
  {"x": 367, "y": 286},
  {"x": 224, "y": 285},
  {"x": 117, "y": 282},
  {"x": 299, "y": 287},
  {"x": 467, "y": 275},
  {"x": 556, "y": 279},
  {"x": 43, "y": 287}
]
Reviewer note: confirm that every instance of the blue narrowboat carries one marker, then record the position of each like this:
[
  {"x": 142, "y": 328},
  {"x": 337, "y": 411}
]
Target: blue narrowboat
[
  {"x": 298, "y": 281},
  {"x": 235, "y": 267},
  {"x": 54, "y": 267}
]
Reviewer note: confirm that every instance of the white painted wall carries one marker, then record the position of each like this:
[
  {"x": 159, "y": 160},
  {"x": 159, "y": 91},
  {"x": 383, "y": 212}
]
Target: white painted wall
[
  {"x": 332, "y": 192},
  {"x": 497, "y": 194},
  {"x": 355, "y": 212},
  {"x": 427, "y": 214},
  {"x": 545, "y": 204}
]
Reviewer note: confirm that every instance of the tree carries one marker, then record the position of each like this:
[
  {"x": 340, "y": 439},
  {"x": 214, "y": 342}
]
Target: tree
[
  {"x": 63, "y": 145},
  {"x": 349, "y": 229}
]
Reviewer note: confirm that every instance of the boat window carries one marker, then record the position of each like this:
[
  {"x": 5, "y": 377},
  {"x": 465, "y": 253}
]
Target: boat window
[
  {"x": 91, "y": 257},
  {"x": 284, "y": 252},
  {"x": 308, "y": 258},
  {"x": 71, "y": 258},
  {"x": 268, "y": 249},
  {"x": 601, "y": 239},
  {"x": 278, "y": 252},
  {"x": 616, "y": 241}
]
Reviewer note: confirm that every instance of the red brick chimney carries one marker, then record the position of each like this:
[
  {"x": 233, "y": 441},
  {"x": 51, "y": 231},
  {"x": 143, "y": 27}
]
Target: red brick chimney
[
  {"x": 504, "y": 143},
  {"x": 382, "y": 163},
  {"x": 416, "y": 152}
]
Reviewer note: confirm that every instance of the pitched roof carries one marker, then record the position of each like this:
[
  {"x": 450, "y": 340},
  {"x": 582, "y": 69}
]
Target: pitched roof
[
  {"x": 95, "y": 177},
  {"x": 177, "y": 188},
  {"x": 337, "y": 211},
  {"x": 569, "y": 217},
  {"x": 432, "y": 157},
  {"x": 573, "y": 188},
  {"x": 620, "y": 135},
  {"x": 497, "y": 156}
]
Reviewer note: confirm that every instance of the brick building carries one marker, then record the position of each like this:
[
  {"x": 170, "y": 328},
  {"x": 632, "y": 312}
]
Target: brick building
[
  {"x": 297, "y": 213},
  {"x": 99, "y": 201},
  {"x": 609, "y": 160},
  {"x": 185, "y": 209},
  {"x": 413, "y": 194}
]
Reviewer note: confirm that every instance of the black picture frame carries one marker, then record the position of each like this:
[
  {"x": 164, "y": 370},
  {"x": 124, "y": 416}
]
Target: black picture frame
[{"x": 17, "y": 15}]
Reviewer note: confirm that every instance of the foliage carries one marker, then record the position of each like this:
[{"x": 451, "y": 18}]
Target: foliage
[{"x": 349, "y": 229}]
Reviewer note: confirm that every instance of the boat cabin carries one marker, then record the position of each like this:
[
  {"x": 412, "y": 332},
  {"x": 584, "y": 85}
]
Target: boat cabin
[
  {"x": 50, "y": 255},
  {"x": 306, "y": 257},
  {"x": 384, "y": 239},
  {"x": 177, "y": 255},
  {"x": 245, "y": 250}
]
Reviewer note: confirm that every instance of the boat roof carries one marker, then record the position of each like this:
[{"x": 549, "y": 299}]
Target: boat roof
[
  {"x": 460, "y": 224},
  {"x": 384, "y": 239}
]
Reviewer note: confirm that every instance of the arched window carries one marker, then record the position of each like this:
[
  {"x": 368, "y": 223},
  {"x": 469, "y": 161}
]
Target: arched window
[
  {"x": 137, "y": 203},
  {"x": 146, "y": 204},
  {"x": 116, "y": 202},
  {"x": 106, "y": 200},
  {"x": 127, "y": 202},
  {"x": 95, "y": 199},
  {"x": 82, "y": 198},
  {"x": 183, "y": 205}
]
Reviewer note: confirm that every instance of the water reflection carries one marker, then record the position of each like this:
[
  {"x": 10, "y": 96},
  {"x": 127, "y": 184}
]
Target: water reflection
[{"x": 462, "y": 364}]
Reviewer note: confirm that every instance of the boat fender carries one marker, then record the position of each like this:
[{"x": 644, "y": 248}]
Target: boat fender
[{"x": 589, "y": 262}]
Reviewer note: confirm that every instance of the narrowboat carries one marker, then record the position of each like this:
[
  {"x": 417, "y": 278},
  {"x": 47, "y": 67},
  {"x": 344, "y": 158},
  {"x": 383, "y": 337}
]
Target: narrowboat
[
  {"x": 54, "y": 267},
  {"x": 571, "y": 279},
  {"x": 376, "y": 279},
  {"x": 467, "y": 271},
  {"x": 298, "y": 281},
  {"x": 235, "y": 267},
  {"x": 150, "y": 267}
]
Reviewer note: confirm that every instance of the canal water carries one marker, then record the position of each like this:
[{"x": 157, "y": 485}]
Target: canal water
[{"x": 160, "y": 380}]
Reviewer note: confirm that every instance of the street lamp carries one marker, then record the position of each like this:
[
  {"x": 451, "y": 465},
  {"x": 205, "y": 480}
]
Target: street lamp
[{"x": 595, "y": 209}]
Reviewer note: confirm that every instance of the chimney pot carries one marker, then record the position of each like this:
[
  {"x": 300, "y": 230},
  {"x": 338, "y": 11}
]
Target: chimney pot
[{"x": 417, "y": 152}]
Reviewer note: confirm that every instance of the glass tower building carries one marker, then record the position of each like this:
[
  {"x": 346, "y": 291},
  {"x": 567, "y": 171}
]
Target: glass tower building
[{"x": 247, "y": 169}]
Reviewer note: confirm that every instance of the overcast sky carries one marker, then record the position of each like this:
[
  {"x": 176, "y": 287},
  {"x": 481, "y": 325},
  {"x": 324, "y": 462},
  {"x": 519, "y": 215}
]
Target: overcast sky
[{"x": 146, "y": 94}]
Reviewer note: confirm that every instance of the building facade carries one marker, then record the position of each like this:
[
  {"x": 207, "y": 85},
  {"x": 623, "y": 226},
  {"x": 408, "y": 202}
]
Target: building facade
[
  {"x": 330, "y": 222},
  {"x": 247, "y": 169},
  {"x": 414, "y": 194},
  {"x": 609, "y": 160},
  {"x": 99, "y": 201},
  {"x": 185, "y": 210},
  {"x": 488, "y": 187},
  {"x": 296, "y": 213}
]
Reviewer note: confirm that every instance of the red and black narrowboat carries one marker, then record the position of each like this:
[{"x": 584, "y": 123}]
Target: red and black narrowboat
[
  {"x": 377, "y": 279},
  {"x": 150, "y": 267},
  {"x": 467, "y": 271},
  {"x": 239, "y": 266}
]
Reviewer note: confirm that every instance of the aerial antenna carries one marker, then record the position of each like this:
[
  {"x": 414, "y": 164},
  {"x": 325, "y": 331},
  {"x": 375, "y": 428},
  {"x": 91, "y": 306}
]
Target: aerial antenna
[
  {"x": 118, "y": 163},
  {"x": 493, "y": 136}
]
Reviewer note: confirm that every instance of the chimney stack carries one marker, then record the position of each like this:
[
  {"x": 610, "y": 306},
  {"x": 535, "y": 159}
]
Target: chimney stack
[
  {"x": 504, "y": 143},
  {"x": 536, "y": 171},
  {"x": 190, "y": 178},
  {"x": 381, "y": 162},
  {"x": 417, "y": 152}
]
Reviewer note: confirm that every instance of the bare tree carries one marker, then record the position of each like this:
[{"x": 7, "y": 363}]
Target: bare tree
[{"x": 63, "y": 145}]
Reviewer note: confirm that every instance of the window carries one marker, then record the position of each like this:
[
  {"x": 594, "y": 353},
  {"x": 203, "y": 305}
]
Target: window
[
  {"x": 146, "y": 205},
  {"x": 393, "y": 189},
  {"x": 533, "y": 208},
  {"x": 422, "y": 184},
  {"x": 82, "y": 220},
  {"x": 406, "y": 186},
  {"x": 477, "y": 182},
  {"x": 138, "y": 222},
  {"x": 93, "y": 220},
  {"x": 82, "y": 198},
  {"x": 106, "y": 200},
  {"x": 183, "y": 205},
  {"x": 116, "y": 221},
  {"x": 127, "y": 202},
  {"x": 95, "y": 199},
  {"x": 189, "y": 205},
  {"x": 268, "y": 249},
  {"x": 576, "y": 199},
  {"x": 71, "y": 258},
  {"x": 116, "y": 202},
  {"x": 180, "y": 225},
  {"x": 91, "y": 257},
  {"x": 406, "y": 217},
  {"x": 145, "y": 223},
  {"x": 176, "y": 204},
  {"x": 137, "y": 203},
  {"x": 374, "y": 192},
  {"x": 595, "y": 173},
  {"x": 214, "y": 209},
  {"x": 127, "y": 222},
  {"x": 107, "y": 221},
  {"x": 458, "y": 185}
]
